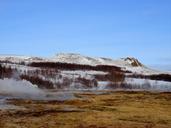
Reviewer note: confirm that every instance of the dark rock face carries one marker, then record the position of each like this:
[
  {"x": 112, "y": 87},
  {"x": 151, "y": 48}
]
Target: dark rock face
[{"x": 134, "y": 62}]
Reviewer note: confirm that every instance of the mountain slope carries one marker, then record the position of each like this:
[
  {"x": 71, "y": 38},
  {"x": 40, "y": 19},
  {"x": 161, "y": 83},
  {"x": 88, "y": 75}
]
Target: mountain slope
[
  {"x": 75, "y": 71},
  {"x": 80, "y": 59},
  {"x": 128, "y": 64}
]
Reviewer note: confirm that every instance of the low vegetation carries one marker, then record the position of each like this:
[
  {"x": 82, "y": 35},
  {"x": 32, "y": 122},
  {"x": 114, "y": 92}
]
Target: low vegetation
[
  {"x": 43, "y": 84},
  {"x": 106, "y": 110},
  {"x": 164, "y": 77},
  {"x": 5, "y": 72}
]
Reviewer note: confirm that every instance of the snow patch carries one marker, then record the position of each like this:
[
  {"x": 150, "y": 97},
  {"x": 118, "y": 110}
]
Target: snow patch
[{"x": 153, "y": 85}]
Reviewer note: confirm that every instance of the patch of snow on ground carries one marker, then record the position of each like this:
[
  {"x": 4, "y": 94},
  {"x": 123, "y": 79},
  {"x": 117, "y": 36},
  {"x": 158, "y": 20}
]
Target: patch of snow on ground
[
  {"x": 102, "y": 85},
  {"x": 149, "y": 84},
  {"x": 83, "y": 74}
]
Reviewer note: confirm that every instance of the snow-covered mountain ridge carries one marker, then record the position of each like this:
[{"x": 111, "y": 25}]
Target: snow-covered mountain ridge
[
  {"x": 75, "y": 59},
  {"x": 128, "y": 63}
]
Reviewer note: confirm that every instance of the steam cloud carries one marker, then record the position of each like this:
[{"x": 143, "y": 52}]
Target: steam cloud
[
  {"x": 23, "y": 89},
  {"x": 20, "y": 89}
]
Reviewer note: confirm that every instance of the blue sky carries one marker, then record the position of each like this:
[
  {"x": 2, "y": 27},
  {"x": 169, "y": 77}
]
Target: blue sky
[{"x": 108, "y": 28}]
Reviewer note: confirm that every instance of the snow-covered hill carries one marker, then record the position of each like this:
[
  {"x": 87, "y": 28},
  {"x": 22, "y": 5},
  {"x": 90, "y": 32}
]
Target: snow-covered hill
[
  {"x": 128, "y": 63},
  {"x": 20, "y": 59},
  {"x": 75, "y": 71},
  {"x": 80, "y": 59}
]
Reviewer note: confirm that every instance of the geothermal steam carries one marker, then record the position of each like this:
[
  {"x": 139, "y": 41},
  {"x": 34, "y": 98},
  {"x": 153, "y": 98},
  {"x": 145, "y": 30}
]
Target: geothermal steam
[
  {"x": 23, "y": 89},
  {"x": 20, "y": 89}
]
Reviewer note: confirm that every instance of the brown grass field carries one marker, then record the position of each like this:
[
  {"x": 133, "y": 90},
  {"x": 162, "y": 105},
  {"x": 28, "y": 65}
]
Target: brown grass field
[{"x": 108, "y": 110}]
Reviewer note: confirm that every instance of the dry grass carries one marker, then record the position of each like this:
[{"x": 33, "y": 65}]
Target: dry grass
[{"x": 113, "y": 110}]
